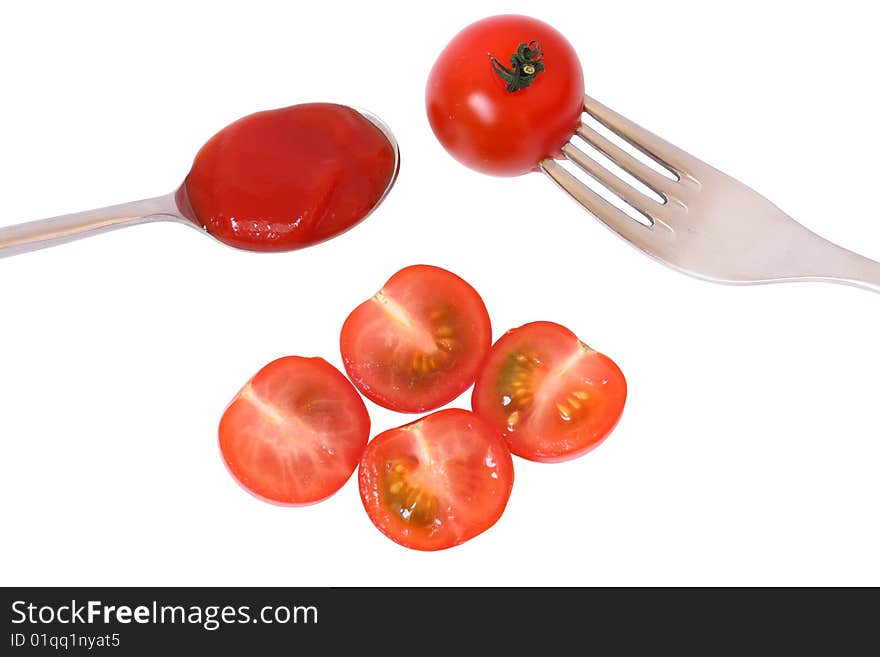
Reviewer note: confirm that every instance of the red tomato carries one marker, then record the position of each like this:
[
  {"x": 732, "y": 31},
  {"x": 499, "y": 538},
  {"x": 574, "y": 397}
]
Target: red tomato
[
  {"x": 551, "y": 396},
  {"x": 288, "y": 178},
  {"x": 419, "y": 342},
  {"x": 506, "y": 93},
  {"x": 436, "y": 482},
  {"x": 296, "y": 431}
]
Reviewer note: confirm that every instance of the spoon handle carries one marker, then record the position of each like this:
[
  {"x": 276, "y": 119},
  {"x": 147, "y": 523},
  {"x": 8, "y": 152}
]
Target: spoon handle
[{"x": 43, "y": 233}]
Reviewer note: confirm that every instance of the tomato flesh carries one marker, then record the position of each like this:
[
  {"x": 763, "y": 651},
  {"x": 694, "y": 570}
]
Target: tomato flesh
[
  {"x": 288, "y": 178},
  {"x": 296, "y": 431},
  {"x": 418, "y": 343},
  {"x": 436, "y": 482},
  {"x": 487, "y": 127},
  {"x": 552, "y": 397}
]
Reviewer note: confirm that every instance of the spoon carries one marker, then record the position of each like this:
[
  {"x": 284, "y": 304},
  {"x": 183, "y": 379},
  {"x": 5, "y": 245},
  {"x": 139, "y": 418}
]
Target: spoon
[{"x": 272, "y": 181}]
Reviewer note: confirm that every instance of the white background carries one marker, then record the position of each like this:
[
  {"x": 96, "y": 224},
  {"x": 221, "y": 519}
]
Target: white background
[{"x": 748, "y": 452}]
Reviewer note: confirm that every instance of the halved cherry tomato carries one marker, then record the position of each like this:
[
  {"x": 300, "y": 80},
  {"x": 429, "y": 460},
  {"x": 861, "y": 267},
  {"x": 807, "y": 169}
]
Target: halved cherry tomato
[
  {"x": 417, "y": 343},
  {"x": 436, "y": 482},
  {"x": 296, "y": 431},
  {"x": 552, "y": 396},
  {"x": 506, "y": 93}
]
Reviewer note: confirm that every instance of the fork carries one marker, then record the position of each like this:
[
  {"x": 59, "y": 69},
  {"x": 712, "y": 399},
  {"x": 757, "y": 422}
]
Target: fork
[{"x": 707, "y": 225}]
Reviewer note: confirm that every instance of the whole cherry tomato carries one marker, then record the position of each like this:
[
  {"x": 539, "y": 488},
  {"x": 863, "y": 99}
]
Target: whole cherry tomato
[{"x": 506, "y": 93}]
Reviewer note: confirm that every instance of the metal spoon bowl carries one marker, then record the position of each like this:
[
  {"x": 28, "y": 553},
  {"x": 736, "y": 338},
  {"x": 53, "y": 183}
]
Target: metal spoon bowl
[{"x": 43, "y": 233}]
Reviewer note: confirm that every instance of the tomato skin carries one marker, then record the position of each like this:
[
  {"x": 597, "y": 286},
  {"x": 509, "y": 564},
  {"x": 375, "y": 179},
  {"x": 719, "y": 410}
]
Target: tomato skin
[
  {"x": 552, "y": 397},
  {"x": 288, "y": 178},
  {"x": 293, "y": 435},
  {"x": 453, "y": 463},
  {"x": 419, "y": 342},
  {"x": 488, "y": 128}
]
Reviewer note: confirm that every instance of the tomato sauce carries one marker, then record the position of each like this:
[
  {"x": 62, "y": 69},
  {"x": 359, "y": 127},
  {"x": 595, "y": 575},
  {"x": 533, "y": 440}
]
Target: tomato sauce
[{"x": 287, "y": 178}]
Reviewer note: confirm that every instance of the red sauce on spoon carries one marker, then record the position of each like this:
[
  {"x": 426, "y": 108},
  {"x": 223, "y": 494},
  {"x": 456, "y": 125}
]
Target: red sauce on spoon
[{"x": 288, "y": 178}]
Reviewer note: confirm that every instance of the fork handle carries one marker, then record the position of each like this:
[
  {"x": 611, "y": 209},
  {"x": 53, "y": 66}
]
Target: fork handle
[
  {"x": 823, "y": 260},
  {"x": 43, "y": 233}
]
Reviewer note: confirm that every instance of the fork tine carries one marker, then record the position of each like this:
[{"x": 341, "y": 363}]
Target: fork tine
[
  {"x": 616, "y": 219},
  {"x": 633, "y": 166},
  {"x": 624, "y": 190},
  {"x": 669, "y": 155}
]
